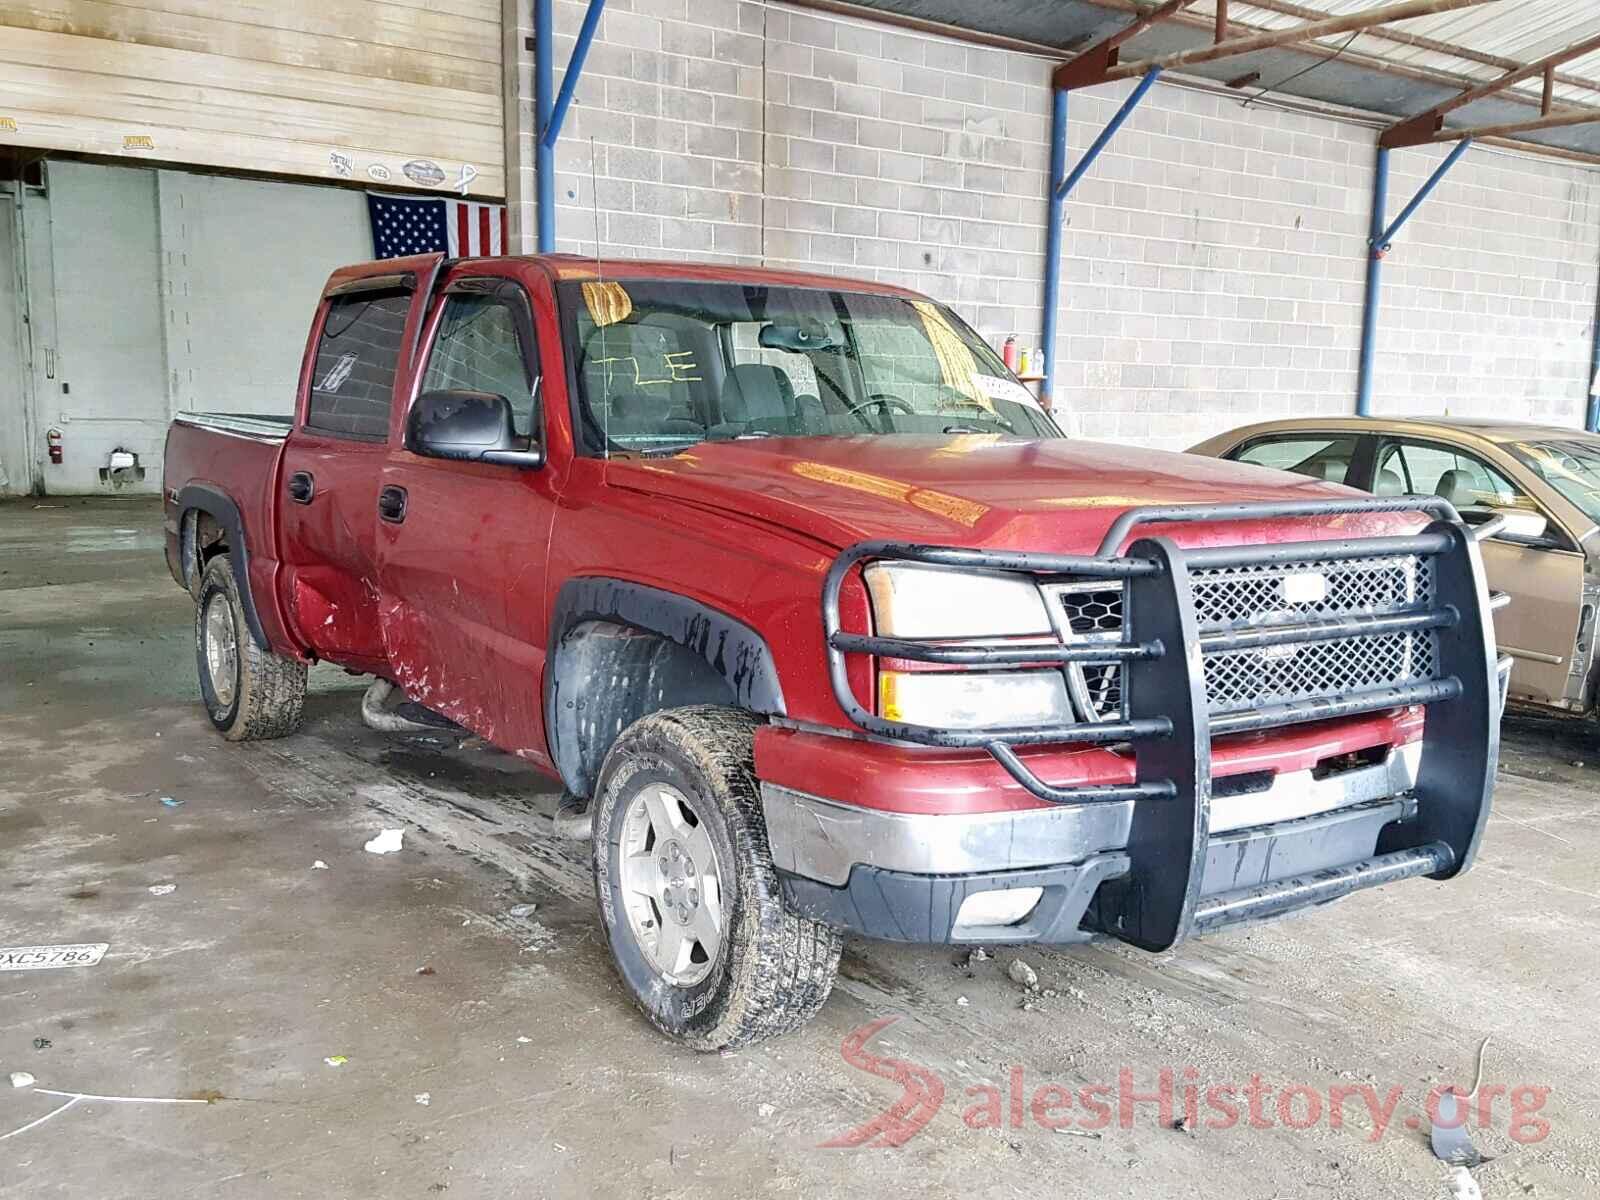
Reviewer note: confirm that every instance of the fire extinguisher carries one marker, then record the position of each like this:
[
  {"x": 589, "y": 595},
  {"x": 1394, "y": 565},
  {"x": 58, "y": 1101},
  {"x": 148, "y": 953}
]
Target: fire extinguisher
[{"x": 53, "y": 440}]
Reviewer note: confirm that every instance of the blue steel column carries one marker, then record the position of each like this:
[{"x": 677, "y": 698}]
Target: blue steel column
[
  {"x": 569, "y": 83},
  {"x": 1057, "y": 201},
  {"x": 1146, "y": 82},
  {"x": 1426, "y": 190},
  {"x": 1369, "y": 316},
  {"x": 1061, "y": 184},
  {"x": 543, "y": 102}
]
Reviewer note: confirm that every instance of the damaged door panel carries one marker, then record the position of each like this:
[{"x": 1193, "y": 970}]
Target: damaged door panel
[
  {"x": 329, "y": 473},
  {"x": 461, "y": 575}
]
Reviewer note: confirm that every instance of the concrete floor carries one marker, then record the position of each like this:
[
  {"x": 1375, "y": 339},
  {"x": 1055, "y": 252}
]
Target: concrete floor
[{"x": 541, "y": 1079}]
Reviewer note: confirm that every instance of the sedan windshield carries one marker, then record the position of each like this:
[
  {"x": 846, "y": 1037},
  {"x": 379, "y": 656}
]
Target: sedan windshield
[
  {"x": 662, "y": 365},
  {"x": 1570, "y": 465}
]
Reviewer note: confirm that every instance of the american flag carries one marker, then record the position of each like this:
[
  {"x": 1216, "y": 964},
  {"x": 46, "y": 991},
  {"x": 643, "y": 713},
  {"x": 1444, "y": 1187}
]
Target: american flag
[{"x": 404, "y": 225}]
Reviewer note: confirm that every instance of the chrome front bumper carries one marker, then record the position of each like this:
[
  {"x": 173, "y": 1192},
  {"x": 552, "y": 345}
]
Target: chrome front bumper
[{"x": 823, "y": 840}]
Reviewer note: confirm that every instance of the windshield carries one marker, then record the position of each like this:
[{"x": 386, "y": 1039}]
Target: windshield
[
  {"x": 1570, "y": 465},
  {"x": 662, "y": 365}
]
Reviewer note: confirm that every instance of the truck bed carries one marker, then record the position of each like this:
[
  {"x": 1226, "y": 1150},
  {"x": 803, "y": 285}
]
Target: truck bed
[
  {"x": 263, "y": 426},
  {"x": 226, "y": 465}
]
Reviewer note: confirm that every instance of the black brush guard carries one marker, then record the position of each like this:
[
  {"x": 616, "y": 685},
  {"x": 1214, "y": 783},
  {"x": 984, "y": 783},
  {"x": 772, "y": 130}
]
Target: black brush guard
[{"x": 1167, "y": 720}]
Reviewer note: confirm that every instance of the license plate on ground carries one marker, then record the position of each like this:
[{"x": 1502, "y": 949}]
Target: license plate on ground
[{"x": 45, "y": 958}]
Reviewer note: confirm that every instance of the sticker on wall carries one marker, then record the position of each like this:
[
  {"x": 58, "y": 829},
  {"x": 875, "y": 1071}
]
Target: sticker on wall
[
  {"x": 423, "y": 173},
  {"x": 8, "y": 124},
  {"x": 379, "y": 172},
  {"x": 468, "y": 174},
  {"x": 341, "y": 164},
  {"x": 138, "y": 141}
]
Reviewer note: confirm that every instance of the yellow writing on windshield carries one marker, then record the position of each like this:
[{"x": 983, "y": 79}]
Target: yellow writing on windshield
[
  {"x": 956, "y": 364},
  {"x": 679, "y": 366}
]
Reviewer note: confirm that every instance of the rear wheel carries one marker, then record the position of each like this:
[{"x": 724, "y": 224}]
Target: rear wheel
[
  {"x": 687, "y": 889},
  {"x": 249, "y": 692}
]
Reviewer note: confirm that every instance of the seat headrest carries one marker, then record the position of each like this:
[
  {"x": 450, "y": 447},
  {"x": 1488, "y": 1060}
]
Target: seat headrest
[
  {"x": 1456, "y": 487},
  {"x": 1389, "y": 483},
  {"x": 1329, "y": 469},
  {"x": 756, "y": 392}
]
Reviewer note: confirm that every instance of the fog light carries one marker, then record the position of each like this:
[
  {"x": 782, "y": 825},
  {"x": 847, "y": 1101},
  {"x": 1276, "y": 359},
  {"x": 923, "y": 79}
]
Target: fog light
[{"x": 983, "y": 910}]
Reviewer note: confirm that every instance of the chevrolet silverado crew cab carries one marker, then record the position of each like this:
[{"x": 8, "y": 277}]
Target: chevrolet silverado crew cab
[{"x": 825, "y": 627}]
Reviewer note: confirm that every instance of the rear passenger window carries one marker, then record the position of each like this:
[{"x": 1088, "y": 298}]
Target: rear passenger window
[
  {"x": 1326, "y": 458},
  {"x": 352, "y": 380}
]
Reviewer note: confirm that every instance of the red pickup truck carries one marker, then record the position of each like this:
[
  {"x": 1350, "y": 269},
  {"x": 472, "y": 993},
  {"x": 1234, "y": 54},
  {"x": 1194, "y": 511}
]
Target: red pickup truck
[{"x": 824, "y": 626}]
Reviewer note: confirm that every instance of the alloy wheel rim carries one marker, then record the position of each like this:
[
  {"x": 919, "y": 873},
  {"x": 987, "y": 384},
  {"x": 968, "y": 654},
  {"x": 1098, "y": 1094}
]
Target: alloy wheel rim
[
  {"x": 221, "y": 649},
  {"x": 672, "y": 885}
]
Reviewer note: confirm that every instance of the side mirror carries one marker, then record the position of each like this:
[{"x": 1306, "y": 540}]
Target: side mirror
[
  {"x": 1522, "y": 526},
  {"x": 468, "y": 427}
]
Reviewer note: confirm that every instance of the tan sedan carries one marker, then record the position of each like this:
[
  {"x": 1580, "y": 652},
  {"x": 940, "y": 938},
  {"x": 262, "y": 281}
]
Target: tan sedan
[{"x": 1543, "y": 479}]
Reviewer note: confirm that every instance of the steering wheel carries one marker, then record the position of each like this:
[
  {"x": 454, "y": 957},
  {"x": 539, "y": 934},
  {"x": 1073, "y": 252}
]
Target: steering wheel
[{"x": 884, "y": 402}]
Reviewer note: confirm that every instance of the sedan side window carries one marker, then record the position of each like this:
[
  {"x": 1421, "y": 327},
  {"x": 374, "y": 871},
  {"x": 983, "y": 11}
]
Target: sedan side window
[
  {"x": 1421, "y": 468},
  {"x": 478, "y": 349},
  {"x": 1326, "y": 457}
]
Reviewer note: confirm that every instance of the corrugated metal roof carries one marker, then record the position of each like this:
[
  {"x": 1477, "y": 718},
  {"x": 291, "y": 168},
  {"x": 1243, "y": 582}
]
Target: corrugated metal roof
[
  {"x": 1522, "y": 30},
  {"x": 1392, "y": 75}
]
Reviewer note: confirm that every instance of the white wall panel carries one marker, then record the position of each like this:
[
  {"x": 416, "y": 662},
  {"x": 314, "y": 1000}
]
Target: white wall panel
[
  {"x": 176, "y": 291},
  {"x": 243, "y": 263},
  {"x": 109, "y": 388}
]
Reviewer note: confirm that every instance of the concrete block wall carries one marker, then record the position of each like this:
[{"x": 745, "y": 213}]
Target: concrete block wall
[
  {"x": 1489, "y": 294},
  {"x": 1214, "y": 261}
]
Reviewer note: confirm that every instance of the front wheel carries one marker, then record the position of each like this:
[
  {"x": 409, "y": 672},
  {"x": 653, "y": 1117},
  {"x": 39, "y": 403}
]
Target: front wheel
[
  {"x": 690, "y": 898},
  {"x": 249, "y": 692}
]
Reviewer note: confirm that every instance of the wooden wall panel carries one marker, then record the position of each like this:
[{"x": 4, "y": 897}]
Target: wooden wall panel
[{"x": 355, "y": 90}]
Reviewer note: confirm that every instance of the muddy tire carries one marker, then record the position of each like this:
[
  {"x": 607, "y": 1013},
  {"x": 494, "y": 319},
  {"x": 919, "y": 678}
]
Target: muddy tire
[
  {"x": 249, "y": 693},
  {"x": 687, "y": 890}
]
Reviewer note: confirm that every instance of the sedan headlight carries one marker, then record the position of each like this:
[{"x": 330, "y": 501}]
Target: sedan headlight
[
  {"x": 915, "y": 600},
  {"x": 974, "y": 700}
]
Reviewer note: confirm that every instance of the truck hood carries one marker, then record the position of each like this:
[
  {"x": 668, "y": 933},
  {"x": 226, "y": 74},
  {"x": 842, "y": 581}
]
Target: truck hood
[{"x": 1056, "y": 496}]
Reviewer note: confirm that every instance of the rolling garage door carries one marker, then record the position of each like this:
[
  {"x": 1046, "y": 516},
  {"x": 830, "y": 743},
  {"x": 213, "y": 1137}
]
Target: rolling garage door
[
  {"x": 403, "y": 92},
  {"x": 172, "y": 261},
  {"x": 152, "y": 292}
]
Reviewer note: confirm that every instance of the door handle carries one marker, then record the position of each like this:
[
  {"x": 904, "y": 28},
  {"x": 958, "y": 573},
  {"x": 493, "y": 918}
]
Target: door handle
[
  {"x": 301, "y": 487},
  {"x": 392, "y": 504}
]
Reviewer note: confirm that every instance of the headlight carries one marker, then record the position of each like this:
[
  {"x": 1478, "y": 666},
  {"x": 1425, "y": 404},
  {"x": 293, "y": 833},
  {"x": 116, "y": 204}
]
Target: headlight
[
  {"x": 969, "y": 700},
  {"x": 914, "y": 600}
]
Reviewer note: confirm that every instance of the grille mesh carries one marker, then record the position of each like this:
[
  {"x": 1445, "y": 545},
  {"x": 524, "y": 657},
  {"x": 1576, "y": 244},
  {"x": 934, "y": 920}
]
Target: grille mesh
[
  {"x": 1244, "y": 679},
  {"x": 1241, "y": 597},
  {"x": 1093, "y": 610}
]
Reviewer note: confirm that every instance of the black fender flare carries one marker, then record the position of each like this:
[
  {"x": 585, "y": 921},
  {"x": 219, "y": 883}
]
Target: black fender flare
[
  {"x": 220, "y": 507},
  {"x": 733, "y": 651}
]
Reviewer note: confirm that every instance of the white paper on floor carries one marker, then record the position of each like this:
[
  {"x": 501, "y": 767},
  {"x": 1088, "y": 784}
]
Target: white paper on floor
[{"x": 387, "y": 842}]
